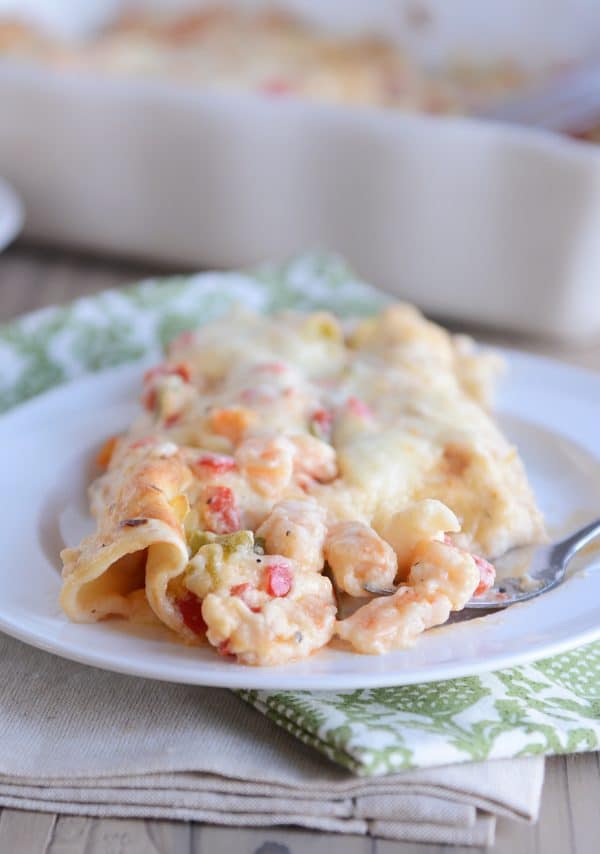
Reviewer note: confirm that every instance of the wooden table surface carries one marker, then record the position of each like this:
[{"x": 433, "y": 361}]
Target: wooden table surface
[{"x": 570, "y": 815}]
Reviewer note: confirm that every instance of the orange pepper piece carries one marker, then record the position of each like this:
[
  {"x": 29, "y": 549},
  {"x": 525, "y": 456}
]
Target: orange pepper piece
[
  {"x": 104, "y": 455},
  {"x": 232, "y": 422}
]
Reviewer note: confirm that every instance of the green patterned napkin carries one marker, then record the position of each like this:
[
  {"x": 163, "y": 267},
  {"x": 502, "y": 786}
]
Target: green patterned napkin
[{"x": 552, "y": 706}]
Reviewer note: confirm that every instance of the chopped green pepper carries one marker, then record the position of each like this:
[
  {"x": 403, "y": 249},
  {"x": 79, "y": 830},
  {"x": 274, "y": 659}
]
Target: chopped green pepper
[
  {"x": 212, "y": 555},
  {"x": 239, "y": 540}
]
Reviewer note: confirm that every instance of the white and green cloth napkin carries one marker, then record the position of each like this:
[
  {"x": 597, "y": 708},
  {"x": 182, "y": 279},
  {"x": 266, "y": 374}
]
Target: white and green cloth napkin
[{"x": 552, "y": 706}]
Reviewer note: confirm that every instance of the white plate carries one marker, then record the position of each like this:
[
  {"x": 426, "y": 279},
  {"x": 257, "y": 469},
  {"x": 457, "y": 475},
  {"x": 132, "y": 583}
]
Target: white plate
[
  {"x": 46, "y": 449},
  {"x": 11, "y": 214}
]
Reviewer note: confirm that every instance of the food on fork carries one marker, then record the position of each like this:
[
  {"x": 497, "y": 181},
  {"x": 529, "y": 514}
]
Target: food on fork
[{"x": 283, "y": 463}]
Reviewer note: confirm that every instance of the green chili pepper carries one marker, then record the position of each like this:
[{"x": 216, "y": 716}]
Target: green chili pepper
[
  {"x": 239, "y": 540},
  {"x": 197, "y": 539}
]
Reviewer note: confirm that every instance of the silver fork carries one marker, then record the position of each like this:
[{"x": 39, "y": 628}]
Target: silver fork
[
  {"x": 540, "y": 569},
  {"x": 545, "y": 568}
]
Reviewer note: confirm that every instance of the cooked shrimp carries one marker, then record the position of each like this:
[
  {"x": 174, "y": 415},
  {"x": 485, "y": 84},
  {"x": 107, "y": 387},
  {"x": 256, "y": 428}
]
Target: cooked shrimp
[
  {"x": 440, "y": 569},
  {"x": 442, "y": 579},
  {"x": 359, "y": 558},
  {"x": 267, "y": 462},
  {"x": 314, "y": 458},
  {"x": 232, "y": 422},
  {"x": 290, "y": 619},
  {"x": 392, "y": 622},
  {"x": 424, "y": 520},
  {"x": 296, "y": 529},
  {"x": 264, "y": 609},
  {"x": 487, "y": 570}
]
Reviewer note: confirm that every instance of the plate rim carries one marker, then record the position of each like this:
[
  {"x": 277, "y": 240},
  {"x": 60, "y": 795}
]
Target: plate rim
[{"x": 242, "y": 680}]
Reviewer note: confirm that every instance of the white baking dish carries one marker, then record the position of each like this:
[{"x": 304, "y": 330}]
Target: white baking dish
[{"x": 476, "y": 222}]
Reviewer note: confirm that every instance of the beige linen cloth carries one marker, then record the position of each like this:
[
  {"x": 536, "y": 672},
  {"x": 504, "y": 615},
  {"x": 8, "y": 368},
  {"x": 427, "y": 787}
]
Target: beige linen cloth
[{"x": 77, "y": 740}]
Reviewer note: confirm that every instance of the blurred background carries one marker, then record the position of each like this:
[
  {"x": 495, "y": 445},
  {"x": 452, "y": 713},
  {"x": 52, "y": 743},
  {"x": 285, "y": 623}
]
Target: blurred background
[{"x": 447, "y": 150}]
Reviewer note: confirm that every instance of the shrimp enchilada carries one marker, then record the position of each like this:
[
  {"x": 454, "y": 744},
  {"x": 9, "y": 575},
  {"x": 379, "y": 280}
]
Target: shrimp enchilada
[{"x": 284, "y": 462}]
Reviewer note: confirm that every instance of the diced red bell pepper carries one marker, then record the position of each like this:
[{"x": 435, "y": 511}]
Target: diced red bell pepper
[
  {"x": 279, "y": 579},
  {"x": 214, "y": 464},
  {"x": 190, "y": 608},
  {"x": 221, "y": 513},
  {"x": 239, "y": 589},
  {"x": 487, "y": 571}
]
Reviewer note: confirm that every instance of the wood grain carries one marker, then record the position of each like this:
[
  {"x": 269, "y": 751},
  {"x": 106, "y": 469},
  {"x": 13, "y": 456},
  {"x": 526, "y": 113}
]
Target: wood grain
[
  {"x": 35, "y": 278},
  {"x": 583, "y": 788},
  {"x": 223, "y": 840},
  {"x": 570, "y": 815},
  {"x": 75, "y": 835}
]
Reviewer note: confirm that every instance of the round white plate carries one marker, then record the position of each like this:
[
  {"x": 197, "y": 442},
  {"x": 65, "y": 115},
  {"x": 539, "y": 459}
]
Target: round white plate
[
  {"x": 11, "y": 214},
  {"x": 47, "y": 446}
]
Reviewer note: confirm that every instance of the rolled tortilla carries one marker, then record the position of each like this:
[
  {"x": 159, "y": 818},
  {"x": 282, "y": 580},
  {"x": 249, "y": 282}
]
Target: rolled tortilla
[{"x": 139, "y": 544}]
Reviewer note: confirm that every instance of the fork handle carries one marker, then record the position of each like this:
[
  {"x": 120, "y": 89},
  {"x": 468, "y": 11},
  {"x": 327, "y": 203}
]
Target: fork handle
[{"x": 574, "y": 542}]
